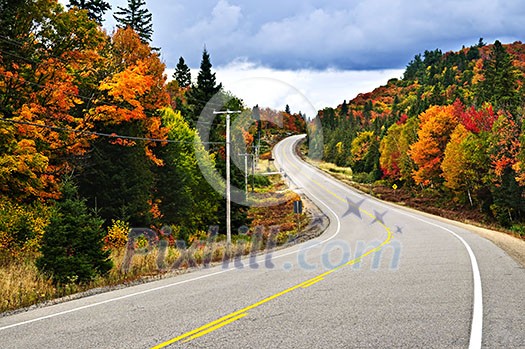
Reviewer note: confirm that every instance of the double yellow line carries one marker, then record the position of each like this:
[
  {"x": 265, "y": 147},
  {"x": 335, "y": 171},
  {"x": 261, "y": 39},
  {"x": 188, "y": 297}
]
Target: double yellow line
[{"x": 239, "y": 314}]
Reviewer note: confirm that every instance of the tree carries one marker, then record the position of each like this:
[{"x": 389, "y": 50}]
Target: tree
[
  {"x": 499, "y": 85},
  {"x": 117, "y": 176},
  {"x": 466, "y": 163},
  {"x": 137, "y": 17},
  {"x": 185, "y": 197},
  {"x": 287, "y": 109},
  {"x": 72, "y": 245},
  {"x": 51, "y": 56},
  {"x": 503, "y": 149},
  {"x": 182, "y": 74},
  {"x": 436, "y": 125},
  {"x": 365, "y": 152},
  {"x": 204, "y": 90},
  {"x": 96, "y": 8},
  {"x": 391, "y": 151}
]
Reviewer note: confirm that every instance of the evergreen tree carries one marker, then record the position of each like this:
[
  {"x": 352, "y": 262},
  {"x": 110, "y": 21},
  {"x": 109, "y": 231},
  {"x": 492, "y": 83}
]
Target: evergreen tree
[
  {"x": 204, "y": 90},
  {"x": 500, "y": 84},
  {"x": 344, "y": 111},
  {"x": 72, "y": 246},
  {"x": 96, "y": 8},
  {"x": 182, "y": 74},
  {"x": 118, "y": 180},
  {"x": 287, "y": 109},
  {"x": 137, "y": 17}
]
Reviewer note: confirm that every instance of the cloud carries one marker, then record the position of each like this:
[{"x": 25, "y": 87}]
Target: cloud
[
  {"x": 303, "y": 90},
  {"x": 323, "y": 34}
]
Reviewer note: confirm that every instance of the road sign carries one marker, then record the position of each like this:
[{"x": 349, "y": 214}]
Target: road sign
[{"x": 298, "y": 206}]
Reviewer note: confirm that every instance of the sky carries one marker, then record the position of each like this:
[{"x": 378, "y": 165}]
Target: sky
[{"x": 312, "y": 54}]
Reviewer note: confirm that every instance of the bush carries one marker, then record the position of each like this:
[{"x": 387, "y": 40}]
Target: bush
[
  {"x": 22, "y": 226},
  {"x": 259, "y": 181},
  {"x": 72, "y": 245},
  {"x": 117, "y": 235}
]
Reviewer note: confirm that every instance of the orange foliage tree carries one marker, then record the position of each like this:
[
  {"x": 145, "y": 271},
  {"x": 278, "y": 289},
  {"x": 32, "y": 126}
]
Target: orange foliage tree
[
  {"x": 436, "y": 126},
  {"x": 42, "y": 72}
]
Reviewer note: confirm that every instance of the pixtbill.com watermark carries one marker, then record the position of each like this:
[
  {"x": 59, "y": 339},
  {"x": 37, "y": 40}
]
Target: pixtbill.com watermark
[
  {"x": 257, "y": 247},
  {"x": 260, "y": 250}
]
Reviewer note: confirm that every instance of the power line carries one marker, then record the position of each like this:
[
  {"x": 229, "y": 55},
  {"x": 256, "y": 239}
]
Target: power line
[{"x": 101, "y": 134}]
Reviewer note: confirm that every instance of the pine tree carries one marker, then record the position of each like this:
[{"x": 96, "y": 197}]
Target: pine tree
[
  {"x": 72, "y": 246},
  {"x": 204, "y": 90},
  {"x": 137, "y": 17},
  {"x": 500, "y": 84},
  {"x": 118, "y": 180},
  {"x": 287, "y": 109},
  {"x": 182, "y": 74},
  {"x": 96, "y": 8}
]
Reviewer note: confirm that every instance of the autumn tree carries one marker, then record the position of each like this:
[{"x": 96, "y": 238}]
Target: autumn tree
[
  {"x": 137, "y": 17},
  {"x": 466, "y": 163},
  {"x": 365, "y": 152},
  {"x": 436, "y": 126},
  {"x": 391, "y": 151},
  {"x": 41, "y": 95},
  {"x": 95, "y": 8},
  {"x": 118, "y": 175},
  {"x": 503, "y": 150}
]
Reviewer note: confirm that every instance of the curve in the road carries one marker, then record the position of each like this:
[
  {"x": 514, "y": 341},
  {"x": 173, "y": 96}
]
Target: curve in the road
[
  {"x": 239, "y": 314},
  {"x": 476, "y": 332}
]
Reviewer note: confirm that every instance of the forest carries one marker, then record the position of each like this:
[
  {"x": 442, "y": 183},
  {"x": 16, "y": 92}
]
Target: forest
[
  {"x": 96, "y": 139},
  {"x": 450, "y": 129}
]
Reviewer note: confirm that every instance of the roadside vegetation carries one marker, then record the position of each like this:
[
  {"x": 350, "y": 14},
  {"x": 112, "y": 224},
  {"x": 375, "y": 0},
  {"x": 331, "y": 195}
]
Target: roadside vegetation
[
  {"x": 95, "y": 140},
  {"x": 22, "y": 284},
  {"x": 448, "y": 135}
]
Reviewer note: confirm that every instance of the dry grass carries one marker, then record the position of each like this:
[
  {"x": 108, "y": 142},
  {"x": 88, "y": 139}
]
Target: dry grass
[{"x": 22, "y": 285}]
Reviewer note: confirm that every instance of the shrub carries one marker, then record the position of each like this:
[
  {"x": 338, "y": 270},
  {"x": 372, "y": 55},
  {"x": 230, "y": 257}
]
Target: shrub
[
  {"x": 117, "y": 235},
  {"x": 72, "y": 245}
]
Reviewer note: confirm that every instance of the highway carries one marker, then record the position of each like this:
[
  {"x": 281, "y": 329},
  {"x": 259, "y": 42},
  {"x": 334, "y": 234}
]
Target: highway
[{"x": 380, "y": 276}]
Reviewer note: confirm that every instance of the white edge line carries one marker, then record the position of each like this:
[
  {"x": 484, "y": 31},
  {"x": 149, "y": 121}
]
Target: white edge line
[
  {"x": 476, "y": 328},
  {"x": 175, "y": 283}
]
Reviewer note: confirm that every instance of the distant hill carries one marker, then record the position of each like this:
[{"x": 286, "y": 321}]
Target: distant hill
[{"x": 452, "y": 123}]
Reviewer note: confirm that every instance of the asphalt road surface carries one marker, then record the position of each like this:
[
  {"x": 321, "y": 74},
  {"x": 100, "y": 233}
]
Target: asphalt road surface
[{"x": 378, "y": 277}]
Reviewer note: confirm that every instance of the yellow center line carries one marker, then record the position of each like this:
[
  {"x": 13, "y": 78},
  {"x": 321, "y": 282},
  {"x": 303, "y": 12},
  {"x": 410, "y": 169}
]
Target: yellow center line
[
  {"x": 211, "y": 329},
  {"x": 234, "y": 316},
  {"x": 312, "y": 283}
]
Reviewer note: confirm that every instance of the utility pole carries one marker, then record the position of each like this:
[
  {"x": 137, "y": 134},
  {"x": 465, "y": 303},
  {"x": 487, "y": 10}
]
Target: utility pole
[
  {"x": 228, "y": 189},
  {"x": 246, "y": 171}
]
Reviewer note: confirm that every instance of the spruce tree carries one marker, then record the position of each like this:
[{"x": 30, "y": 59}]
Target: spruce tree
[
  {"x": 182, "y": 74},
  {"x": 72, "y": 246},
  {"x": 500, "y": 84},
  {"x": 137, "y": 17},
  {"x": 204, "y": 90},
  {"x": 96, "y": 8},
  {"x": 118, "y": 180}
]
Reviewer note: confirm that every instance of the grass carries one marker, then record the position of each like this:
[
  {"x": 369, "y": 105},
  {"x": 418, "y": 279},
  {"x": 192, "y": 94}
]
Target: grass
[{"x": 22, "y": 285}]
